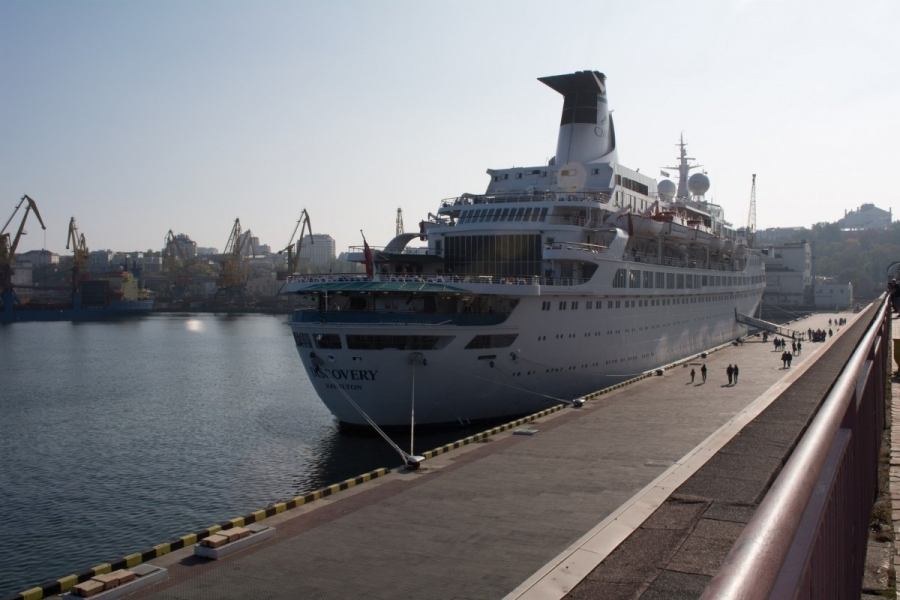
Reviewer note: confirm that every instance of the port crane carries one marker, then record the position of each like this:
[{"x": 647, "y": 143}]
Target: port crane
[
  {"x": 176, "y": 263},
  {"x": 233, "y": 282},
  {"x": 303, "y": 224},
  {"x": 8, "y": 245},
  {"x": 76, "y": 242}
]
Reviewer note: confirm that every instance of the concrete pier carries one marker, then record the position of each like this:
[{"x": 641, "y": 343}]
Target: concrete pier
[{"x": 639, "y": 494}]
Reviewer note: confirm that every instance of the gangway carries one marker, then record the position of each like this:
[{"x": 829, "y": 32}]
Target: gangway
[{"x": 770, "y": 327}]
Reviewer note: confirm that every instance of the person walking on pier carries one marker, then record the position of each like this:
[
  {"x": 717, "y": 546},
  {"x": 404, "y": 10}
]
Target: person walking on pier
[
  {"x": 703, "y": 372},
  {"x": 789, "y": 359},
  {"x": 735, "y": 373},
  {"x": 784, "y": 360},
  {"x": 793, "y": 347},
  {"x": 730, "y": 372},
  {"x": 692, "y": 376},
  {"x": 799, "y": 347}
]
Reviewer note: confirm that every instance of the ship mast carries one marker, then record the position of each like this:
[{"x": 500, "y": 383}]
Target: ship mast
[{"x": 684, "y": 170}]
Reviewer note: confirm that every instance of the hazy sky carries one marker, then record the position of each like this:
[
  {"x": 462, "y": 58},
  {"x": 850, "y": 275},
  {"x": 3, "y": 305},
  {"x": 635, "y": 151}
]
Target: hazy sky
[{"x": 137, "y": 117}]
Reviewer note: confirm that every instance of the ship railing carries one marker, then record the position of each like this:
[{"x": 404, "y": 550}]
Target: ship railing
[
  {"x": 536, "y": 196},
  {"x": 414, "y": 250},
  {"x": 595, "y": 248}
]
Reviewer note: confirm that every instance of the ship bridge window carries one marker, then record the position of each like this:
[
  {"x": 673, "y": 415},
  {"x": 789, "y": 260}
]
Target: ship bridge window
[
  {"x": 327, "y": 341},
  {"x": 303, "y": 340},
  {"x": 648, "y": 279},
  {"x": 492, "y": 341},
  {"x": 670, "y": 281},
  {"x": 660, "y": 280},
  {"x": 620, "y": 278},
  {"x": 398, "y": 342}
]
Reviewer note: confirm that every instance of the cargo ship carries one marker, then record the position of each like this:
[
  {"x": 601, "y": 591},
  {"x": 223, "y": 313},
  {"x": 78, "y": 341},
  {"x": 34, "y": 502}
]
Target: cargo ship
[{"x": 111, "y": 296}]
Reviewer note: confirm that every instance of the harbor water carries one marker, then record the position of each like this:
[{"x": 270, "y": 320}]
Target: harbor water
[{"x": 117, "y": 436}]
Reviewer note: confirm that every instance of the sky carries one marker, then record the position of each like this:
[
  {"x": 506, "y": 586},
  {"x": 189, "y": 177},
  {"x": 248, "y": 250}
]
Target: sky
[{"x": 137, "y": 117}]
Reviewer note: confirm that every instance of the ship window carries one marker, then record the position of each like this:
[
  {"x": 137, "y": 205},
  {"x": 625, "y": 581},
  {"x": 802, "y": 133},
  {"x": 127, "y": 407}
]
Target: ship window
[
  {"x": 599, "y": 304},
  {"x": 303, "y": 340},
  {"x": 518, "y": 176},
  {"x": 660, "y": 280},
  {"x": 545, "y": 305},
  {"x": 496, "y": 178},
  {"x": 670, "y": 281},
  {"x": 506, "y": 176},
  {"x": 504, "y": 214},
  {"x": 398, "y": 342},
  {"x": 327, "y": 341},
  {"x": 523, "y": 214},
  {"x": 648, "y": 279},
  {"x": 492, "y": 341},
  {"x": 609, "y": 304},
  {"x": 543, "y": 214},
  {"x": 575, "y": 305},
  {"x": 562, "y": 306},
  {"x": 634, "y": 279},
  {"x": 595, "y": 171},
  {"x": 588, "y": 305},
  {"x": 617, "y": 304},
  {"x": 620, "y": 278},
  {"x": 689, "y": 281},
  {"x": 704, "y": 281}
]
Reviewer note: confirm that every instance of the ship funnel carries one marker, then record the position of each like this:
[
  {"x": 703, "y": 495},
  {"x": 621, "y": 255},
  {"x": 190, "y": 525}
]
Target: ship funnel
[{"x": 586, "y": 131}]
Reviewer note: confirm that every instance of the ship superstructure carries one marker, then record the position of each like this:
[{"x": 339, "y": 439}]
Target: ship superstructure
[{"x": 559, "y": 280}]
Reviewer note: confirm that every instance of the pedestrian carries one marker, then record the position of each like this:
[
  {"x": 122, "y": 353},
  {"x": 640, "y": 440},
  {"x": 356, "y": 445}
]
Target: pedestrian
[
  {"x": 793, "y": 347},
  {"x": 784, "y": 360},
  {"x": 735, "y": 373},
  {"x": 789, "y": 358},
  {"x": 799, "y": 347},
  {"x": 776, "y": 344},
  {"x": 692, "y": 376},
  {"x": 730, "y": 372},
  {"x": 703, "y": 372},
  {"x": 830, "y": 333}
]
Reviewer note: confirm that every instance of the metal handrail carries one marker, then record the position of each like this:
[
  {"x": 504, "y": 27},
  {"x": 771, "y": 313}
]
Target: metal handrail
[{"x": 756, "y": 563}]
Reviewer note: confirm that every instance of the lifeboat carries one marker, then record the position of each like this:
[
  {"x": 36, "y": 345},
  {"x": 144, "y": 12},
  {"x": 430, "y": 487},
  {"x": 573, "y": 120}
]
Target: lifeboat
[{"x": 639, "y": 225}]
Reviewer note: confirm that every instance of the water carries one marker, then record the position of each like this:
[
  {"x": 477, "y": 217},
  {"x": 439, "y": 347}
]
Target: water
[{"x": 117, "y": 436}]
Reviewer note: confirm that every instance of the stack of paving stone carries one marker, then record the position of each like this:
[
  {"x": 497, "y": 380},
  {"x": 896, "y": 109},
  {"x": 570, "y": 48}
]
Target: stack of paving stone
[
  {"x": 101, "y": 583},
  {"x": 227, "y": 536}
]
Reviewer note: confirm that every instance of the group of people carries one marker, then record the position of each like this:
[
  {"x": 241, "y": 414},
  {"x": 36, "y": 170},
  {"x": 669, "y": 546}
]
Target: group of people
[
  {"x": 820, "y": 335},
  {"x": 732, "y": 371},
  {"x": 781, "y": 344}
]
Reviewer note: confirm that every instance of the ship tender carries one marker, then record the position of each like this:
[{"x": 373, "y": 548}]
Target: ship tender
[{"x": 559, "y": 280}]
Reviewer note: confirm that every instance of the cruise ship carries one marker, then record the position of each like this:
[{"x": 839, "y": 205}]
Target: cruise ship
[{"x": 559, "y": 280}]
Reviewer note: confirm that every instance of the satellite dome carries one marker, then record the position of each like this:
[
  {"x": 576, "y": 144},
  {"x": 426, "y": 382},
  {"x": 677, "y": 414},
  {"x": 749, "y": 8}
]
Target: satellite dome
[
  {"x": 666, "y": 189},
  {"x": 698, "y": 184}
]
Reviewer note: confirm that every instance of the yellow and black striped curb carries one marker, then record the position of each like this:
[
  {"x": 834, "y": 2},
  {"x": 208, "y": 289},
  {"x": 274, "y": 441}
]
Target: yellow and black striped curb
[
  {"x": 64, "y": 584},
  {"x": 486, "y": 434}
]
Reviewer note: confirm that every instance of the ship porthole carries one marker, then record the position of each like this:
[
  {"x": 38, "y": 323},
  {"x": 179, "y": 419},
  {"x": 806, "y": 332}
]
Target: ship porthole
[{"x": 330, "y": 357}]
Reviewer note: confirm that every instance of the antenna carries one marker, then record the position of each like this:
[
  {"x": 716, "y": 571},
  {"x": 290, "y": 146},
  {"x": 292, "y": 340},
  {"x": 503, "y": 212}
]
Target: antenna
[{"x": 751, "y": 217}]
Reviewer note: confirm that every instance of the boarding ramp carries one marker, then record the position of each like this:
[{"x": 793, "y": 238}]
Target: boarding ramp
[{"x": 770, "y": 327}]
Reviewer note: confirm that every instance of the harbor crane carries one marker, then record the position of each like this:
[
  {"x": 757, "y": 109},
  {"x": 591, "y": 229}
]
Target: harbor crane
[
  {"x": 751, "y": 218},
  {"x": 233, "y": 282},
  {"x": 293, "y": 259},
  {"x": 76, "y": 242},
  {"x": 8, "y": 245}
]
